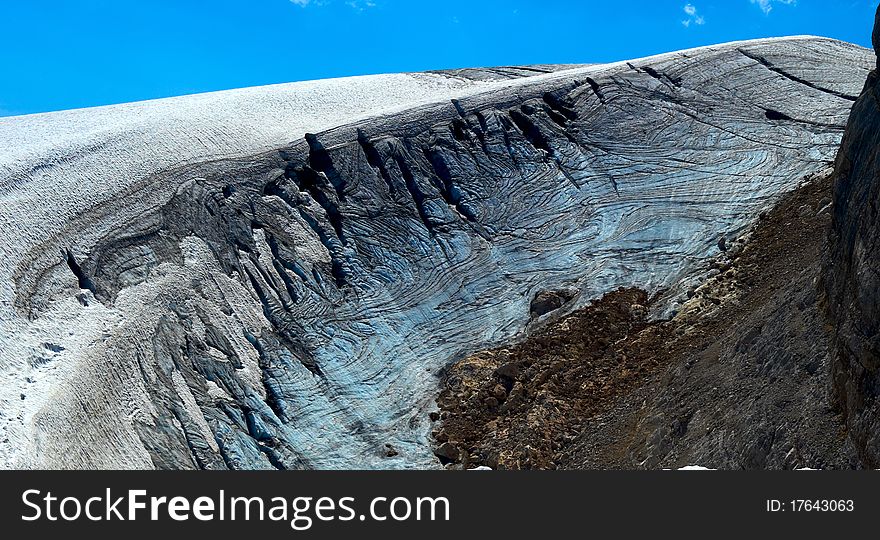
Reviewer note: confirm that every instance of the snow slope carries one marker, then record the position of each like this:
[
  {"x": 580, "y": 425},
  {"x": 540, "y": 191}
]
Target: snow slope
[
  {"x": 54, "y": 165},
  {"x": 76, "y": 380}
]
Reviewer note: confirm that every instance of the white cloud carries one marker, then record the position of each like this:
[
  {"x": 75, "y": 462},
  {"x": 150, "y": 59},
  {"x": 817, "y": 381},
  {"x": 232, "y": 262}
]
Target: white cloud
[
  {"x": 767, "y": 5},
  {"x": 358, "y": 5},
  {"x": 691, "y": 11}
]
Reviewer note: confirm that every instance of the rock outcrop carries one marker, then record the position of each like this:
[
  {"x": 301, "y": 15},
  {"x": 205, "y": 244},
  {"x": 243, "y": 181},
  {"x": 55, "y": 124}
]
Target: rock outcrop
[
  {"x": 243, "y": 302},
  {"x": 852, "y": 273}
]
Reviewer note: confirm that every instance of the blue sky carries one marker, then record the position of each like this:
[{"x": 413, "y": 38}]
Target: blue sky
[{"x": 62, "y": 54}]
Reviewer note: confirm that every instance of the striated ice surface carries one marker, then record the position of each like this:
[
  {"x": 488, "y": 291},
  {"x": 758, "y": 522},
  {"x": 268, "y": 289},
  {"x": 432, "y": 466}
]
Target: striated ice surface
[{"x": 275, "y": 277}]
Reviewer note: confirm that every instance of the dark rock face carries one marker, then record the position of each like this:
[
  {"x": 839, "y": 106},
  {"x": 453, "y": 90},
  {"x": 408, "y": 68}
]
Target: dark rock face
[
  {"x": 548, "y": 301},
  {"x": 852, "y": 273}
]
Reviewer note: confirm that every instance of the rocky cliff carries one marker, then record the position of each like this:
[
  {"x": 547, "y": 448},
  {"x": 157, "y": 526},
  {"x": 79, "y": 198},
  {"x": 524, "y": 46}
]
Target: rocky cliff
[
  {"x": 183, "y": 288},
  {"x": 852, "y": 273}
]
